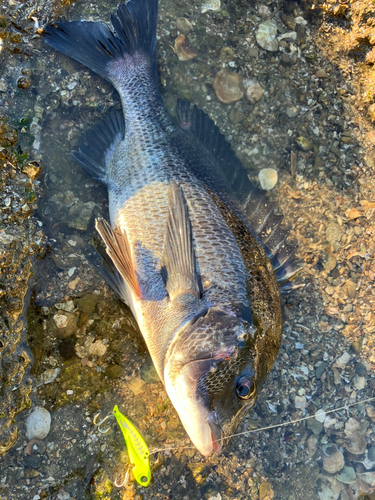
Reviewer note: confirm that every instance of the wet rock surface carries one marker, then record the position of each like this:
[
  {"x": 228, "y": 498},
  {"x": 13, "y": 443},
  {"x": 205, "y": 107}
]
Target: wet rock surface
[{"x": 309, "y": 116}]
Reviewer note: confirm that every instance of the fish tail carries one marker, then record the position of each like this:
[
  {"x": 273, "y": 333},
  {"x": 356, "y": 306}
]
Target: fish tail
[{"x": 132, "y": 39}]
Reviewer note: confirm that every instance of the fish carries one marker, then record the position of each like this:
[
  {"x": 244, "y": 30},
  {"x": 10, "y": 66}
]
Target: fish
[{"x": 192, "y": 247}]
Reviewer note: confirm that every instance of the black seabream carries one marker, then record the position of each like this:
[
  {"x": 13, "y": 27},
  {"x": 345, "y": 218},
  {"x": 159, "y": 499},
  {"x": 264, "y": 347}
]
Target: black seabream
[{"x": 192, "y": 248}]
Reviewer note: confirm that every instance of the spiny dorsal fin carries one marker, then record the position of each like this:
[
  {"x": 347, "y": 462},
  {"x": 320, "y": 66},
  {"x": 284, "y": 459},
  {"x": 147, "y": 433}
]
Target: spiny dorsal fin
[
  {"x": 178, "y": 259},
  {"x": 199, "y": 124},
  {"x": 118, "y": 248}
]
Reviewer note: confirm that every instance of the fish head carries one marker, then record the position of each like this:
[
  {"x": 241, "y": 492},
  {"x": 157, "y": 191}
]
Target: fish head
[{"x": 211, "y": 377}]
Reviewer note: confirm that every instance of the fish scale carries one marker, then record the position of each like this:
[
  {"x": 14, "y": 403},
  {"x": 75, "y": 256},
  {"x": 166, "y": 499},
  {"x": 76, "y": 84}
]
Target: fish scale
[{"x": 182, "y": 251}]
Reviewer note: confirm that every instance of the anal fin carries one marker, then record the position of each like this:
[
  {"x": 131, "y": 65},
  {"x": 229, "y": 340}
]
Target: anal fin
[
  {"x": 118, "y": 249},
  {"x": 178, "y": 259}
]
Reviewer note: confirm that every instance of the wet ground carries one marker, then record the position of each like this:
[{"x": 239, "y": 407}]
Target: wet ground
[{"x": 304, "y": 108}]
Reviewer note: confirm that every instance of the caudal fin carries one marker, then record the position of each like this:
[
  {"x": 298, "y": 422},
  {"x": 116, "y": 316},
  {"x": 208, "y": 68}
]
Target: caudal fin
[{"x": 96, "y": 45}]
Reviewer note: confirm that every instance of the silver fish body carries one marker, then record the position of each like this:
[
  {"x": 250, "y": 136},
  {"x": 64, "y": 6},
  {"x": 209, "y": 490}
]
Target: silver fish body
[{"x": 199, "y": 282}]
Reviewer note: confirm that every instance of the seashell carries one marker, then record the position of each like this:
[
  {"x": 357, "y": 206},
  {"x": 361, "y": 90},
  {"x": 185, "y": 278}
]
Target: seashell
[
  {"x": 368, "y": 478},
  {"x": 228, "y": 86},
  {"x": 347, "y": 475},
  {"x": 266, "y": 35},
  {"x": 330, "y": 488},
  {"x": 352, "y": 426},
  {"x": 320, "y": 415},
  {"x": 268, "y": 178},
  {"x": 356, "y": 443},
  {"x": 183, "y": 49},
  {"x": 333, "y": 459}
]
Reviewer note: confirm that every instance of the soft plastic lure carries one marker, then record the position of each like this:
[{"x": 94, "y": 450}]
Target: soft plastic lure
[{"x": 137, "y": 449}]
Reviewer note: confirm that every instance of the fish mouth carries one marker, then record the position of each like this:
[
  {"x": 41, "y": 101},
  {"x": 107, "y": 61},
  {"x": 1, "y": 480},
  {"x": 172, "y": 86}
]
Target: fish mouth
[{"x": 216, "y": 432}]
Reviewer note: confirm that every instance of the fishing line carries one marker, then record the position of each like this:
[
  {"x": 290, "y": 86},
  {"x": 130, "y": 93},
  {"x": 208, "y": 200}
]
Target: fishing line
[{"x": 284, "y": 424}]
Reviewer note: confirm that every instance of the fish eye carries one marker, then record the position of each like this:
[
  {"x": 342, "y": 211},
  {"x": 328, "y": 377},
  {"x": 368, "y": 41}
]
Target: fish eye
[{"x": 245, "y": 388}]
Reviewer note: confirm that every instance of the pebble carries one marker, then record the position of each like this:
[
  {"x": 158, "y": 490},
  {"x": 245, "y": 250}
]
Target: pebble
[
  {"x": 268, "y": 178},
  {"x": 265, "y": 491},
  {"x": 333, "y": 232},
  {"x": 136, "y": 385},
  {"x": 343, "y": 360},
  {"x": 148, "y": 373},
  {"x": 330, "y": 263},
  {"x": 38, "y": 423},
  {"x": 321, "y": 369},
  {"x": 360, "y": 369},
  {"x": 65, "y": 306},
  {"x": 211, "y": 5},
  {"x": 183, "y": 25},
  {"x": 321, "y": 74},
  {"x": 320, "y": 415},
  {"x": 351, "y": 426},
  {"x": 304, "y": 143},
  {"x": 48, "y": 376},
  {"x": 254, "y": 92},
  {"x": 63, "y": 495},
  {"x": 113, "y": 371},
  {"x": 65, "y": 324},
  {"x": 266, "y": 35},
  {"x": 292, "y": 111},
  {"x": 95, "y": 348},
  {"x": 228, "y": 86},
  {"x": 359, "y": 382},
  {"x": 6, "y": 239}
]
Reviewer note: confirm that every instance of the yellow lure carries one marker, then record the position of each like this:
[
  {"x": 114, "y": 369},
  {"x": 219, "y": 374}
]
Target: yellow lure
[{"x": 137, "y": 449}]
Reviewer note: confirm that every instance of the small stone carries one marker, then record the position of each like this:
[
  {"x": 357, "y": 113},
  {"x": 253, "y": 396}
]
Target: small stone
[
  {"x": 253, "y": 52},
  {"x": 38, "y": 423},
  {"x": 226, "y": 54},
  {"x": 24, "y": 82},
  {"x": 286, "y": 60},
  {"x": 314, "y": 426},
  {"x": 333, "y": 232},
  {"x": 321, "y": 74},
  {"x": 264, "y": 11},
  {"x": 96, "y": 349},
  {"x": 265, "y": 491},
  {"x": 300, "y": 402},
  {"x": 360, "y": 369},
  {"x": 304, "y": 143},
  {"x": 357, "y": 346},
  {"x": 292, "y": 111},
  {"x": 371, "y": 454},
  {"x": 67, "y": 306},
  {"x": 330, "y": 263},
  {"x": 113, "y": 371},
  {"x": 348, "y": 308},
  {"x": 343, "y": 360},
  {"x": 211, "y": 5},
  {"x": 64, "y": 324},
  {"x": 254, "y": 92},
  {"x": 321, "y": 369},
  {"x": 136, "y": 385},
  {"x": 358, "y": 230},
  {"x": 359, "y": 382},
  {"x": 183, "y": 25},
  {"x": 266, "y": 35},
  {"x": 183, "y": 49},
  {"x": 228, "y": 86},
  {"x": 6, "y": 239},
  {"x": 350, "y": 288},
  {"x": 320, "y": 415},
  {"x": 87, "y": 303},
  {"x": 330, "y": 290},
  {"x": 148, "y": 373},
  {"x": 236, "y": 115},
  {"x": 63, "y": 495},
  {"x": 268, "y": 178},
  {"x": 48, "y": 376}
]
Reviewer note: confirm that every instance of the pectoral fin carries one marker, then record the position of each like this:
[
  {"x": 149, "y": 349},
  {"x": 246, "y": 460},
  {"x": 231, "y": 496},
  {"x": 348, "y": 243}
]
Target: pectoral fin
[
  {"x": 178, "y": 259},
  {"x": 118, "y": 249}
]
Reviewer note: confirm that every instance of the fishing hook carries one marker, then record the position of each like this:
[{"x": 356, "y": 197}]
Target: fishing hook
[{"x": 99, "y": 424}]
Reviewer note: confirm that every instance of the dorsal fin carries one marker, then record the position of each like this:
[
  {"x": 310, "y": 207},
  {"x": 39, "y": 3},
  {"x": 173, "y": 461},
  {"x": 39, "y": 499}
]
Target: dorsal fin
[
  {"x": 199, "y": 124},
  {"x": 227, "y": 178},
  {"x": 178, "y": 259},
  {"x": 118, "y": 248}
]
